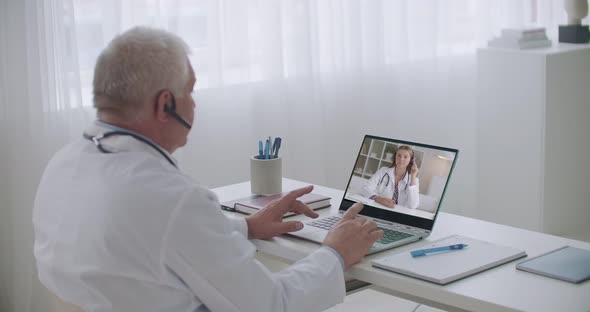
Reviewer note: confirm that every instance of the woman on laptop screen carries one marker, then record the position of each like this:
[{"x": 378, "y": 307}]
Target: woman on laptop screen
[{"x": 397, "y": 184}]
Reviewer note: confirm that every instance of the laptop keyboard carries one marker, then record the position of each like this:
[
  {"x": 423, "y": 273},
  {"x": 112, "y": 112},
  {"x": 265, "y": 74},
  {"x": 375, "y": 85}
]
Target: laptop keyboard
[
  {"x": 389, "y": 235},
  {"x": 326, "y": 223}
]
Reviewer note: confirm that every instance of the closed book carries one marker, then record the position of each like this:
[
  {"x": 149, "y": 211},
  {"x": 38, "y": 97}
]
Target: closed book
[
  {"x": 252, "y": 204},
  {"x": 520, "y": 32},
  {"x": 526, "y": 37},
  {"x": 518, "y": 44},
  {"x": 567, "y": 263}
]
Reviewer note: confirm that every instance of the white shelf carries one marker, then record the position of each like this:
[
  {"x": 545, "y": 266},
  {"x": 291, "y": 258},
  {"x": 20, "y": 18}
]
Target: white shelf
[
  {"x": 380, "y": 148},
  {"x": 533, "y": 144}
]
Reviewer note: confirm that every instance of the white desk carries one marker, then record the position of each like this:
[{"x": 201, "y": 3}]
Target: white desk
[{"x": 500, "y": 289}]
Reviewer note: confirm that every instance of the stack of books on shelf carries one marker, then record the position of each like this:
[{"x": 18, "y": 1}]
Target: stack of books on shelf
[{"x": 521, "y": 38}]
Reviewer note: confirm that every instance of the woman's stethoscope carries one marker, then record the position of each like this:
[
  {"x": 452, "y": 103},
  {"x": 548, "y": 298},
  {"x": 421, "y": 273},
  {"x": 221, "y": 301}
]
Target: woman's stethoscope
[
  {"x": 169, "y": 108},
  {"x": 386, "y": 175}
]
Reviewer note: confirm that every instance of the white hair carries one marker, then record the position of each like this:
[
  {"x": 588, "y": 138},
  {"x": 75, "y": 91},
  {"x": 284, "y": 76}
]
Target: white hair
[{"x": 135, "y": 66}]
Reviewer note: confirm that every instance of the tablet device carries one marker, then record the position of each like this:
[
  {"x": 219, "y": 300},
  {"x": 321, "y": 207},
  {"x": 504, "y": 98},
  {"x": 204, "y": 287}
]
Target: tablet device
[{"x": 567, "y": 263}]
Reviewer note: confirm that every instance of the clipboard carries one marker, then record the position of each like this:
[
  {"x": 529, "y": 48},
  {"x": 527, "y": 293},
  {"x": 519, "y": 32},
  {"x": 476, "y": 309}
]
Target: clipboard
[{"x": 446, "y": 267}]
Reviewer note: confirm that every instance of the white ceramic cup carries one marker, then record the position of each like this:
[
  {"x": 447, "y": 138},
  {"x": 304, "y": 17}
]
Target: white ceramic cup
[{"x": 266, "y": 175}]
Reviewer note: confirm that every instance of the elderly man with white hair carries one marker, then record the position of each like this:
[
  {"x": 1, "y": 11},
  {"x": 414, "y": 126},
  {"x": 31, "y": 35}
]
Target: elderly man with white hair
[{"x": 119, "y": 228}]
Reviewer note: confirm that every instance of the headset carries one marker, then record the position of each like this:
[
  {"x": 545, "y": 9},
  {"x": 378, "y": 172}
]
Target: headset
[{"x": 169, "y": 108}]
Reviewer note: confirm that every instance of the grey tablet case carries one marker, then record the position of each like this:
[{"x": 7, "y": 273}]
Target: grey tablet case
[{"x": 567, "y": 263}]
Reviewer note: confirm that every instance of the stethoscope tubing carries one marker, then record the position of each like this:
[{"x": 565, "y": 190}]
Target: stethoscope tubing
[
  {"x": 389, "y": 179},
  {"x": 96, "y": 140}
]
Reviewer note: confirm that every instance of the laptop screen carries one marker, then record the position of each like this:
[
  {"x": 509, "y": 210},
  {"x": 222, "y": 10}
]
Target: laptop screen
[{"x": 400, "y": 181}]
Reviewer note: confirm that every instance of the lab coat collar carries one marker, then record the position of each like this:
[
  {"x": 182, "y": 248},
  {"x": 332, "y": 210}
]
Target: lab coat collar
[
  {"x": 119, "y": 143},
  {"x": 405, "y": 179}
]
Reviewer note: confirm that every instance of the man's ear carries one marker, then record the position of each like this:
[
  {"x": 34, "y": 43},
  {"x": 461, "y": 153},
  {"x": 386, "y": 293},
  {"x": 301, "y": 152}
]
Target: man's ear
[{"x": 163, "y": 103}]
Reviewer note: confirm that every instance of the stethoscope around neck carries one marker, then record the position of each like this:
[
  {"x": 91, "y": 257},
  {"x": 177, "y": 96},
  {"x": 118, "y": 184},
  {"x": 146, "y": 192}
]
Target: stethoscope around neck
[
  {"x": 169, "y": 108},
  {"x": 96, "y": 140},
  {"x": 386, "y": 175}
]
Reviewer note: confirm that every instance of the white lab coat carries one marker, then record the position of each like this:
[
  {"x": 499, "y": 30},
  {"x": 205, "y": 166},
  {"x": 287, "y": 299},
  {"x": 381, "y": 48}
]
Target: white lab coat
[
  {"x": 127, "y": 231},
  {"x": 377, "y": 185}
]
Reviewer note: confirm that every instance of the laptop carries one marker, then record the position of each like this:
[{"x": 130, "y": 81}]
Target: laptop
[{"x": 406, "y": 215}]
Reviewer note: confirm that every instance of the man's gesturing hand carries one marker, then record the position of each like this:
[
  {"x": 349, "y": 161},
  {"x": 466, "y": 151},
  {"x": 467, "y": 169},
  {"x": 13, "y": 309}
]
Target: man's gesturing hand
[{"x": 268, "y": 222}]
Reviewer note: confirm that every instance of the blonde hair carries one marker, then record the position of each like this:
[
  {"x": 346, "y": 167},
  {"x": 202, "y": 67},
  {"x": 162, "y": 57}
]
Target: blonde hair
[{"x": 136, "y": 65}]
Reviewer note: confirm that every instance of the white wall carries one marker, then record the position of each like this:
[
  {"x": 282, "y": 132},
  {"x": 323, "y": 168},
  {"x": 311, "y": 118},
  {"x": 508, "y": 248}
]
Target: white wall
[
  {"x": 6, "y": 235},
  {"x": 12, "y": 256},
  {"x": 5, "y": 213},
  {"x": 28, "y": 138},
  {"x": 323, "y": 120}
]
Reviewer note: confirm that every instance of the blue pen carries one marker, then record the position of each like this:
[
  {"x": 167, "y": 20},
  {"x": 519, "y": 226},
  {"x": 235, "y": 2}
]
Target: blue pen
[
  {"x": 275, "y": 147},
  {"x": 260, "y": 149},
  {"x": 267, "y": 149},
  {"x": 424, "y": 252}
]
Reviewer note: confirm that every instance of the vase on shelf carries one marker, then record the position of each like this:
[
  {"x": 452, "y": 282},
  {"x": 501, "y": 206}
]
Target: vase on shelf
[{"x": 574, "y": 31}]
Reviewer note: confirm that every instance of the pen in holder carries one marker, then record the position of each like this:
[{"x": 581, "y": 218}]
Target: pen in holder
[{"x": 266, "y": 175}]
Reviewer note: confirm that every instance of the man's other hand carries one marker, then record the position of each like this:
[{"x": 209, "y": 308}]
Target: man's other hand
[
  {"x": 352, "y": 237},
  {"x": 268, "y": 222}
]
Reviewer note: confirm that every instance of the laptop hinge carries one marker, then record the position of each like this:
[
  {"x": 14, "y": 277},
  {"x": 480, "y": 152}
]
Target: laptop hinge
[
  {"x": 419, "y": 230},
  {"x": 406, "y": 227},
  {"x": 383, "y": 222}
]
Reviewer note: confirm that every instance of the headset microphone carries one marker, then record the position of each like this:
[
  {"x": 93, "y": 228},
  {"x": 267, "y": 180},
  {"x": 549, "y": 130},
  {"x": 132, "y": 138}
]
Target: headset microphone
[{"x": 171, "y": 109}]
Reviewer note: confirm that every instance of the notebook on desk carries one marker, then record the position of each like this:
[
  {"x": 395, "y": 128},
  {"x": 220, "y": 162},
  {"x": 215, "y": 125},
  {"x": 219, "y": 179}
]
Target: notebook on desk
[
  {"x": 449, "y": 266},
  {"x": 416, "y": 206},
  {"x": 254, "y": 203}
]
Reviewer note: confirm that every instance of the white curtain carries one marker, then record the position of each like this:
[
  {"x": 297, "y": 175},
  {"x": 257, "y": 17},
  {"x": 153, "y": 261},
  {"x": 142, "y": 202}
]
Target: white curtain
[
  {"x": 318, "y": 73},
  {"x": 41, "y": 110}
]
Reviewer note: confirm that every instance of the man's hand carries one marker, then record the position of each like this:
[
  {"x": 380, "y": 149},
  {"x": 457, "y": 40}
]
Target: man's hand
[
  {"x": 387, "y": 202},
  {"x": 268, "y": 222},
  {"x": 351, "y": 237}
]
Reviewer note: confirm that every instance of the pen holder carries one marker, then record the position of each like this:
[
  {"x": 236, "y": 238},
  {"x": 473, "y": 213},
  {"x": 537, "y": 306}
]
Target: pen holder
[{"x": 266, "y": 175}]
